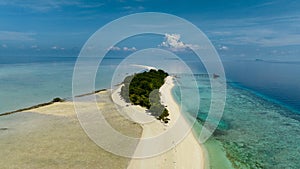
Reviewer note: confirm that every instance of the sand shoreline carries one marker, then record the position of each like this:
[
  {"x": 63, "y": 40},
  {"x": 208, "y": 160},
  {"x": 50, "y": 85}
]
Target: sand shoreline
[
  {"x": 51, "y": 137},
  {"x": 187, "y": 154},
  {"x": 43, "y": 104}
]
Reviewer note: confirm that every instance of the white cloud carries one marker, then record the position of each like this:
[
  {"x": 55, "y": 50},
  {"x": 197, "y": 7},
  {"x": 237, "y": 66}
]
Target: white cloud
[
  {"x": 57, "y": 48},
  {"x": 16, "y": 36},
  {"x": 262, "y": 31},
  {"x": 223, "y": 48},
  {"x": 173, "y": 42},
  {"x": 47, "y": 5},
  {"x": 132, "y": 8},
  {"x": 127, "y": 49},
  {"x": 94, "y": 5},
  {"x": 4, "y": 46},
  {"x": 264, "y": 4},
  {"x": 34, "y": 46},
  {"x": 114, "y": 48}
]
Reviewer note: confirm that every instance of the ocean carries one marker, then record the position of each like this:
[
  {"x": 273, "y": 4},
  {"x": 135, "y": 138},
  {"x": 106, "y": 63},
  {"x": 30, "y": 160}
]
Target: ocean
[
  {"x": 260, "y": 125},
  {"x": 27, "y": 81},
  {"x": 256, "y": 131}
]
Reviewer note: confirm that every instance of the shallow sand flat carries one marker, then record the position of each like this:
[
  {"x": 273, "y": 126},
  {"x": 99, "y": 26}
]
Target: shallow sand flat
[
  {"x": 51, "y": 137},
  {"x": 187, "y": 154}
]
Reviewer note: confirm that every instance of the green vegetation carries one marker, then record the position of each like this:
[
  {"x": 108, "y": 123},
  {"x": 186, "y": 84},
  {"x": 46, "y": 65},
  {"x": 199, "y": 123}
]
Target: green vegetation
[
  {"x": 142, "y": 89},
  {"x": 57, "y": 99}
]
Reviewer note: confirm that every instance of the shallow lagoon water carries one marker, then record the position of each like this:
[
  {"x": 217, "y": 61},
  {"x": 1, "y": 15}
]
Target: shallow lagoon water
[
  {"x": 254, "y": 132},
  {"x": 25, "y": 83}
]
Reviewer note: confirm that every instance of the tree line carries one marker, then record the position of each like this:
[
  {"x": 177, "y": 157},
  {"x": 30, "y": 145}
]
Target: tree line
[{"x": 143, "y": 89}]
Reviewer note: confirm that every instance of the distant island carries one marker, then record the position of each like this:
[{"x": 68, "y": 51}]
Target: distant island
[
  {"x": 259, "y": 60},
  {"x": 143, "y": 89}
]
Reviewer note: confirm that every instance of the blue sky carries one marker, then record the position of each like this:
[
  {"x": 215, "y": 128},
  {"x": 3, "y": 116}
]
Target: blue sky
[{"x": 238, "y": 28}]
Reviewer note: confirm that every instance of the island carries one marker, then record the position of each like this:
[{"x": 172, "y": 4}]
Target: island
[
  {"x": 143, "y": 89},
  {"x": 39, "y": 132}
]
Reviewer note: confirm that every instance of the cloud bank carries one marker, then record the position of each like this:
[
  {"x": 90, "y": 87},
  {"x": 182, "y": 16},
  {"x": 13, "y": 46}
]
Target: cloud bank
[
  {"x": 126, "y": 49},
  {"x": 16, "y": 36},
  {"x": 173, "y": 43}
]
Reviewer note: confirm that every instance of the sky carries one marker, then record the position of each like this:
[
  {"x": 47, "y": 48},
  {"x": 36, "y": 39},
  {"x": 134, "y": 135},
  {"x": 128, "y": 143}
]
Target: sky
[{"x": 239, "y": 29}]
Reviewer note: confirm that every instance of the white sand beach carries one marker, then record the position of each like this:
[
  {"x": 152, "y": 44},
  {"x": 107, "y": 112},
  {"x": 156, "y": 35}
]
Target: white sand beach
[
  {"x": 51, "y": 136},
  {"x": 187, "y": 154}
]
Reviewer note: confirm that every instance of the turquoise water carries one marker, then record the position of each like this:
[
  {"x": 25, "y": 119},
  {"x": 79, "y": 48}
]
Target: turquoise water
[
  {"x": 27, "y": 82},
  {"x": 24, "y": 85},
  {"x": 254, "y": 132}
]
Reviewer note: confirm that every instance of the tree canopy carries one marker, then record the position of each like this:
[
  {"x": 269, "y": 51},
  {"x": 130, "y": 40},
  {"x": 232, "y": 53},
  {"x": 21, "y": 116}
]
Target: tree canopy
[{"x": 143, "y": 89}]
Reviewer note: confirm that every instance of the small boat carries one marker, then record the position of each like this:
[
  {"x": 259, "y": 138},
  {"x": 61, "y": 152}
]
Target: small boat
[{"x": 215, "y": 76}]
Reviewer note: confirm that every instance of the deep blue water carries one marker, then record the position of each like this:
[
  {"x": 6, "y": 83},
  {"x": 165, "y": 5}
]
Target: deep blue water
[
  {"x": 260, "y": 126},
  {"x": 277, "y": 81},
  {"x": 255, "y": 131}
]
